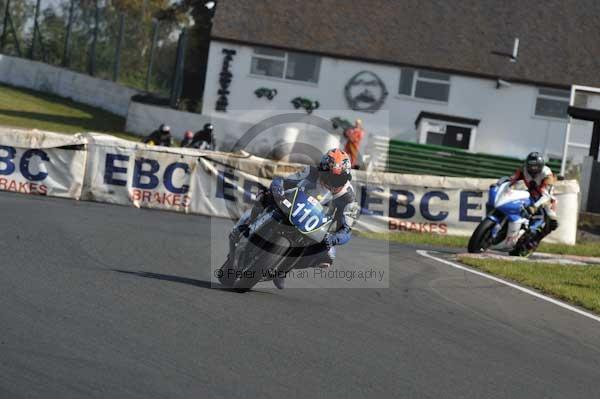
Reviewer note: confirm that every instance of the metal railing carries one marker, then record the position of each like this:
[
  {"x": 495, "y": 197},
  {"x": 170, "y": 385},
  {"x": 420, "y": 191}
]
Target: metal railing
[{"x": 411, "y": 158}]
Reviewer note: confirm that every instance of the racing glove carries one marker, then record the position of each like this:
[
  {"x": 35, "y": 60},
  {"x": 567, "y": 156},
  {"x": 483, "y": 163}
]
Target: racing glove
[
  {"x": 277, "y": 187},
  {"x": 532, "y": 210},
  {"x": 329, "y": 240}
]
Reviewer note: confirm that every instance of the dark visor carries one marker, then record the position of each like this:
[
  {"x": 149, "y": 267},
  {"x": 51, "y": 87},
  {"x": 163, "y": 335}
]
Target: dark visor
[{"x": 334, "y": 180}]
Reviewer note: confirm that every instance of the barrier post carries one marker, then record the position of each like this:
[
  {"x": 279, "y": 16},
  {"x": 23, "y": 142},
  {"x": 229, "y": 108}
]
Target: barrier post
[
  {"x": 35, "y": 31},
  {"x": 65, "y": 61},
  {"x": 4, "y": 25},
  {"x": 118, "y": 49},
  {"x": 177, "y": 84},
  {"x": 9, "y": 22},
  {"x": 92, "y": 68},
  {"x": 152, "y": 49}
]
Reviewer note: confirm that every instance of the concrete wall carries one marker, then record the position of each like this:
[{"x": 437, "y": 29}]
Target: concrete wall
[
  {"x": 508, "y": 124},
  {"x": 143, "y": 119},
  {"x": 276, "y": 140},
  {"x": 82, "y": 88}
]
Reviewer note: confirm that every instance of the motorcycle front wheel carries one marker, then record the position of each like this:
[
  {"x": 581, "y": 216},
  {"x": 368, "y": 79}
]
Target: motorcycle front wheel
[
  {"x": 481, "y": 239},
  {"x": 263, "y": 253}
]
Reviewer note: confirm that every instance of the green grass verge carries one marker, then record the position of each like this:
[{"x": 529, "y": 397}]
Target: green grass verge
[
  {"x": 581, "y": 249},
  {"x": 579, "y": 285},
  {"x": 437, "y": 240},
  {"x": 22, "y": 108}
]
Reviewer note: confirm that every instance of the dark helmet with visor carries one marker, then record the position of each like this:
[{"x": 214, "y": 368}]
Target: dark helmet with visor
[{"x": 534, "y": 163}]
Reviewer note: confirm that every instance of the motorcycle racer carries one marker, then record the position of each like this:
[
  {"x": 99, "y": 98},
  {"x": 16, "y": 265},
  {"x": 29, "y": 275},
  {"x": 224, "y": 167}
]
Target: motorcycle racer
[
  {"x": 161, "y": 136},
  {"x": 539, "y": 180},
  {"x": 333, "y": 174}
]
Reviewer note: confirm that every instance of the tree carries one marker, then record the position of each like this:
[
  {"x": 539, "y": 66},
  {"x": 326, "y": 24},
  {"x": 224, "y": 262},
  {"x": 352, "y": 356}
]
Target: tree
[
  {"x": 139, "y": 15},
  {"x": 52, "y": 25},
  {"x": 20, "y": 13},
  {"x": 196, "y": 55}
]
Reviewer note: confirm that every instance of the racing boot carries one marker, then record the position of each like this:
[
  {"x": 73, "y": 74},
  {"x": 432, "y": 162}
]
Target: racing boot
[
  {"x": 327, "y": 260},
  {"x": 536, "y": 238}
]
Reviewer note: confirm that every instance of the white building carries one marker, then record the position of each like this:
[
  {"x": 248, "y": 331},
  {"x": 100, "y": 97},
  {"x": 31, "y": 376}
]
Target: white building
[{"x": 428, "y": 76}]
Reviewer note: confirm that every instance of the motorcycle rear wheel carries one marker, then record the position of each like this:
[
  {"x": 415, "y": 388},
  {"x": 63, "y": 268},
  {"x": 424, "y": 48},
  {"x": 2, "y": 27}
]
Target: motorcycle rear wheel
[{"x": 523, "y": 248}]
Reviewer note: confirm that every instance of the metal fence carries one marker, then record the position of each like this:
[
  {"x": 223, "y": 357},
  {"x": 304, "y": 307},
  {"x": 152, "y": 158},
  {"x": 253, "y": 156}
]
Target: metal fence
[
  {"x": 110, "y": 39},
  {"x": 413, "y": 158}
]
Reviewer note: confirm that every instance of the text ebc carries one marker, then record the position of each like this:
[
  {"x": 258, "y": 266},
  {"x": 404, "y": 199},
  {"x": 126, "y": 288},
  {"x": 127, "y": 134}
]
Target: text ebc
[
  {"x": 144, "y": 173},
  {"x": 8, "y": 167}
]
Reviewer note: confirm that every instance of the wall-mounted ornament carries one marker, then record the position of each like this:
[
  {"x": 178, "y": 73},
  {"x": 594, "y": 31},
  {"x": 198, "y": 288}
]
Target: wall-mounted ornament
[
  {"x": 366, "y": 92},
  {"x": 265, "y": 92},
  {"x": 342, "y": 123},
  {"x": 225, "y": 77},
  {"x": 306, "y": 103}
]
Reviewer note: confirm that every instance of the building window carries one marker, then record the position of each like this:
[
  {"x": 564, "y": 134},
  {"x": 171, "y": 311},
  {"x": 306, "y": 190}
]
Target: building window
[
  {"x": 427, "y": 85},
  {"x": 285, "y": 65},
  {"x": 552, "y": 103},
  {"x": 268, "y": 62}
]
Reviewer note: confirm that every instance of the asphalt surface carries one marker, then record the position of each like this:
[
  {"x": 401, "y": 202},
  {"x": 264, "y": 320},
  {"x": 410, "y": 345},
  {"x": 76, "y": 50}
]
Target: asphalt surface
[{"x": 101, "y": 301}]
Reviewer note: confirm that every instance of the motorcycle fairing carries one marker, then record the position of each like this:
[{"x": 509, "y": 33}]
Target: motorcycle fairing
[
  {"x": 505, "y": 195},
  {"x": 510, "y": 204},
  {"x": 307, "y": 213}
]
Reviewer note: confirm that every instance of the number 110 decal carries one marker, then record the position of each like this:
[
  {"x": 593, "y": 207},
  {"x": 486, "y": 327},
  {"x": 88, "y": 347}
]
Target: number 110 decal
[{"x": 306, "y": 216}]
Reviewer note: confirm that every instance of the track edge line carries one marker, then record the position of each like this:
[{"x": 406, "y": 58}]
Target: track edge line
[{"x": 528, "y": 291}]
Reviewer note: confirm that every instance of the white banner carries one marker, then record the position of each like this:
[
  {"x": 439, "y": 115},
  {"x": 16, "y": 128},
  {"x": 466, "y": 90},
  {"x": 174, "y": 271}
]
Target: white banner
[
  {"x": 224, "y": 185},
  {"x": 388, "y": 202},
  {"x": 42, "y": 163},
  {"x": 123, "y": 172},
  {"x": 444, "y": 205},
  {"x": 220, "y": 184}
]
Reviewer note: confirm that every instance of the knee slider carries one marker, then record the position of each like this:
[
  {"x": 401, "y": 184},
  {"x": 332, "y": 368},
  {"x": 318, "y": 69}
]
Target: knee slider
[{"x": 553, "y": 224}]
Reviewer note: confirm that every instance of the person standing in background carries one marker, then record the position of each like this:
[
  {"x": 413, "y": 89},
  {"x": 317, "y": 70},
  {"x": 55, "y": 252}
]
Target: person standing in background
[
  {"x": 201, "y": 140},
  {"x": 187, "y": 138},
  {"x": 161, "y": 136},
  {"x": 204, "y": 139},
  {"x": 354, "y": 136}
]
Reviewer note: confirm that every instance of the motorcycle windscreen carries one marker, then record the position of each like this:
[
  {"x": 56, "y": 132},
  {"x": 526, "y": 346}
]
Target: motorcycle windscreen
[{"x": 307, "y": 213}]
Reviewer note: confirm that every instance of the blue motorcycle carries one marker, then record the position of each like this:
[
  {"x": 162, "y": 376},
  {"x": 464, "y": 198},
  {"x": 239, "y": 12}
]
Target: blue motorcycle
[
  {"x": 292, "y": 227},
  {"x": 508, "y": 226}
]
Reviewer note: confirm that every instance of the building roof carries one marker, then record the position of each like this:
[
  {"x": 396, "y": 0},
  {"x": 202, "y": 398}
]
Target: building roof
[{"x": 558, "y": 38}]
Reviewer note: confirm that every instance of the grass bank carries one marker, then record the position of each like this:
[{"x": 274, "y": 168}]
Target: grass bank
[
  {"x": 23, "y": 108},
  {"x": 579, "y": 285},
  {"x": 589, "y": 248}
]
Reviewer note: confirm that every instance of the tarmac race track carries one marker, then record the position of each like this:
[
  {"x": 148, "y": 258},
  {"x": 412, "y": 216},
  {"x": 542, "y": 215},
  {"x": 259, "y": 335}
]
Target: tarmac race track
[{"x": 101, "y": 301}]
